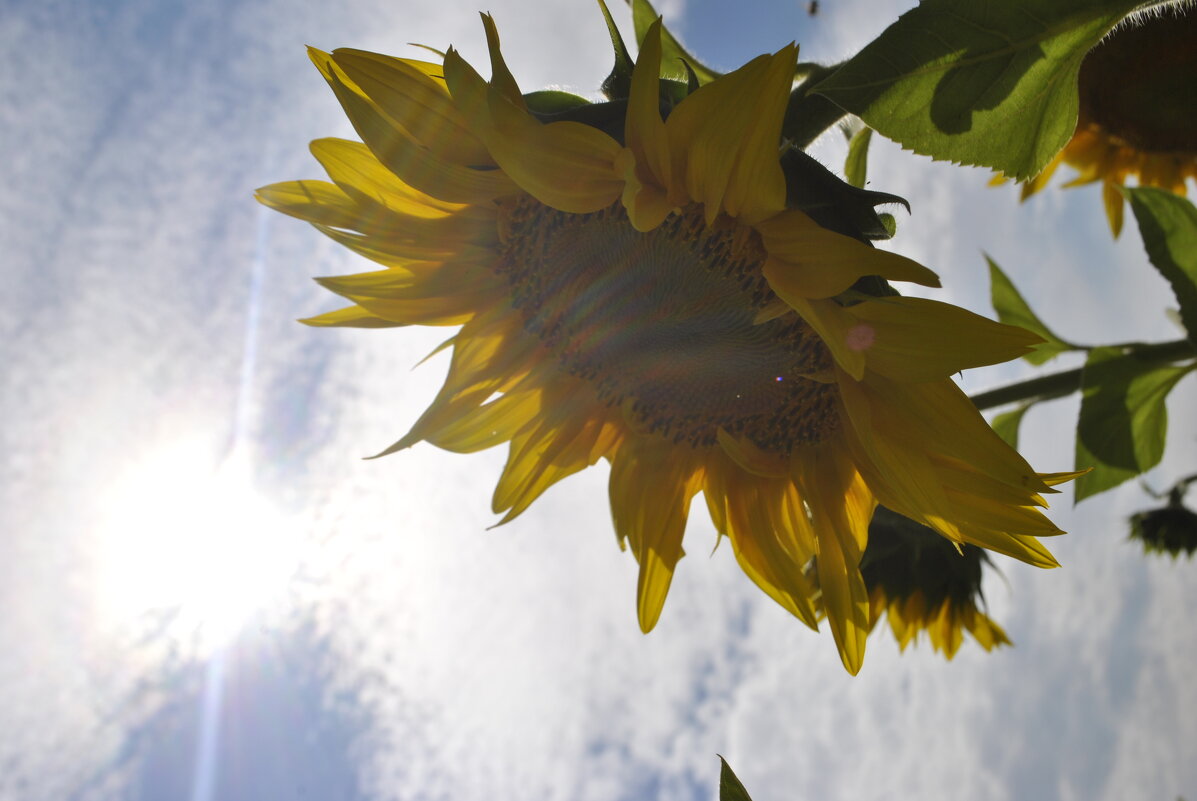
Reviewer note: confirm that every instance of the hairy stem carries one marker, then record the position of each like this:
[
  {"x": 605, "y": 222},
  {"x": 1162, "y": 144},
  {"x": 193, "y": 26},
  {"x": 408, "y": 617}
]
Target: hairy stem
[{"x": 1059, "y": 385}]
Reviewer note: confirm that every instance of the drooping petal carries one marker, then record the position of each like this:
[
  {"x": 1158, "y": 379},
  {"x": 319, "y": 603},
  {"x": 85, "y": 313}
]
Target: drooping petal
[
  {"x": 544, "y": 453},
  {"x": 768, "y": 539},
  {"x": 650, "y": 490},
  {"x": 491, "y": 424},
  {"x": 841, "y": 506}
]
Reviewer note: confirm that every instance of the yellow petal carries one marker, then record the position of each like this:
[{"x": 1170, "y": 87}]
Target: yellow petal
[
  {"x": 491, "y": 424},
  {"x": 399, "y": 251},
  {"x": 453, "y": 310},
  {"x": 501, "y": 77},
  {"x": 355, "y": 169},
  {"x": 1039, "y": 181},
  {"x": 915, "y": 339},
  {"x": 1023, "y": 548},
  {"x": 940, "y": 416},
  {"x": 405, "y": 93},
  {"x": 350, "y": 317},
  {"x": 832, "y": 323},
  {"x": 813, "y": 262},
  {"x": 646, "y": 198},
  {"x": 725, "y": 139},
  {"x": 650, "y": 492},
  {"x": 402, "y": 154},
  {"x": 539, "y": 458},
  {"x": 841, "y": 507},
  {"x": 316, "y": 202},
  {"x": 1112, "y": 198},
  {"x": 566, "y": 165},
  {"x": 759, "y": 525},
  {"x": 750, "y": 457}
]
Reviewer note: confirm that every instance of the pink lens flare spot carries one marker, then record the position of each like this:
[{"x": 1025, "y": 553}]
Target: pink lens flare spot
[{"x": 861, "y": 337}]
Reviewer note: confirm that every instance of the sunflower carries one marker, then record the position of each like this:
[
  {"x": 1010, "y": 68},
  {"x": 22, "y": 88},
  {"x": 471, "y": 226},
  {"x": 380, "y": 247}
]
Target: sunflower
[
  {"x": 632, "y": 285},
  {"x": 1138, "y": 112},
  {"x": 921, "y": 583}
]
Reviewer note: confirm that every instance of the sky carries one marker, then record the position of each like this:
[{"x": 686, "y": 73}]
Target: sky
[{"x": 209, "y": 595}]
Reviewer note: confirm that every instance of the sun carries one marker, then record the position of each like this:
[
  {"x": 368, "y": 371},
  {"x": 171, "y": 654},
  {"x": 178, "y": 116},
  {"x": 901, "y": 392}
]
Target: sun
[{"x": 187, "y": 544}]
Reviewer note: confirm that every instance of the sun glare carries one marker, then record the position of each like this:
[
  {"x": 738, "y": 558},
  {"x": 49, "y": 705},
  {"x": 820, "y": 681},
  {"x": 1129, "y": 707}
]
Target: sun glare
[{"x": 191, "y": 543}]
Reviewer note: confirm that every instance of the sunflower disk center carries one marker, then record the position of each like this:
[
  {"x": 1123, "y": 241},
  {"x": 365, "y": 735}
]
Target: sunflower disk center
[{"x": 662, "y": 323}]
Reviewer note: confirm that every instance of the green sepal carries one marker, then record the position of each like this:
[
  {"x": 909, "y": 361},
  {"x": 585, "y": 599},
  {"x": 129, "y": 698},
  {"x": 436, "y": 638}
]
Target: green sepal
[
  {"x": 890, "y": 223},
  {"x": 619, "y": 83},
  {"x": 607, "y": 117},
  {"x": 692, "y": 81},
  {"x": 988, "y": 84},
  {"x": 676, "y": 62},
  {"x": 1006, "y": 424},
  {"x": 856, "y": 165},
  {"x": 551, "y": 101},
  {"x": 832, "y": 202},
  {"x": 1012, "y": 309},
  {"x": 671, "y": 93},
  {"x": 730, "y": 788},
  {"x": 1168, "y": 225},
  {"x": 1123, "y": 422}
]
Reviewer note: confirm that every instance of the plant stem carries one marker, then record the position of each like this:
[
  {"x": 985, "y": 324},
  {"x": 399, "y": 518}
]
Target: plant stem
[
  {"x": 1059, "y": 385},
  {"x": 808, "y": 115}
]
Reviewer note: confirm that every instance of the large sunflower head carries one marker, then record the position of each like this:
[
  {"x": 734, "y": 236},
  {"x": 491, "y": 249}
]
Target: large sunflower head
[
  {"x": 660, "y": 282},
  {"x": 1138, "y": 112}
]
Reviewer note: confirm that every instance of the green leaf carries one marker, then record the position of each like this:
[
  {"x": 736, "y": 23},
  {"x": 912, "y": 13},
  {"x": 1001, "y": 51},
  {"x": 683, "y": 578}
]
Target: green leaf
[
  {"x": 1168, "y": 224},
  {"x": 1006, "y": 424},
  {"x": 674, "y": 57},
  {"x": 990, "y": 84},
  {"x": 730, "y": 788},
  {"x": 1123, "y": 422},
  {"x": 1012, "y": 309},
  {"x": 856, "y": 166}
]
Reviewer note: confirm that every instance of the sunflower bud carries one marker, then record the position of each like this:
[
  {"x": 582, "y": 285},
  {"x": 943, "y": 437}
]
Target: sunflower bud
[{"x": 924, "y": 583}]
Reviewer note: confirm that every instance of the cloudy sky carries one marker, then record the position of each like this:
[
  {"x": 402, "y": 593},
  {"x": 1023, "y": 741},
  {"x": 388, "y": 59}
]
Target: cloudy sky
[{"x": 208, "y": 595}]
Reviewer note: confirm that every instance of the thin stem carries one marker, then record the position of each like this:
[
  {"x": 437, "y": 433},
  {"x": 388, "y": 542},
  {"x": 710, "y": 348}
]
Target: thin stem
[{"x": 1059, "y": 385}]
